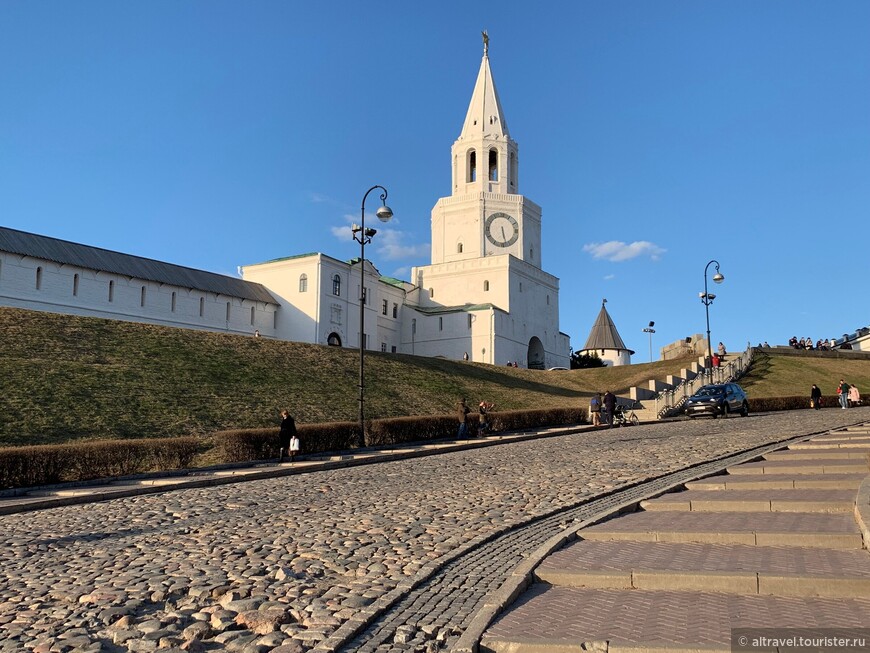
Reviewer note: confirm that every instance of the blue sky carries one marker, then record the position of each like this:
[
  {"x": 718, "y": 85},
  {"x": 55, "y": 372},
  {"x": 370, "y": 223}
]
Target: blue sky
[{"x": 656, "y": 135}]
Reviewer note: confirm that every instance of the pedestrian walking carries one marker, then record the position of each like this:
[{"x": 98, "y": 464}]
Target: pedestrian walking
[
  {"x": 595, "y": 409},
  {"x": 484, "y": 409},
  {"x": 464, "y": 410},
  {"x": 815, "y": 397},
  {"x": 721, "y": 351},
  {"x": 854, "y": 396},
  {"x": 609, "y": 407},
  {"x": 843, "y": 391},
  {"x": 286, "y": 434}
]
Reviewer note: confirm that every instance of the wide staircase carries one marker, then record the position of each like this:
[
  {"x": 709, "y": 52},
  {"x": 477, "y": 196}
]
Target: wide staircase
[
  {"x": 778, "y": 544},
  {"x": 664, "y": 397}
]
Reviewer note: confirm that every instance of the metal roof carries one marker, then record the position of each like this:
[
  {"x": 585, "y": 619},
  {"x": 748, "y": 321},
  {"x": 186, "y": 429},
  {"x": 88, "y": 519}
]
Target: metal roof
[
  {"x": 604, "y": 334},
  {"x": 104, "y": 260}
]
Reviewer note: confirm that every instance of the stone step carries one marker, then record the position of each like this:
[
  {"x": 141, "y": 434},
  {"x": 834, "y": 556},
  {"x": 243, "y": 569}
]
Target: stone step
[
  {"x": 850, "y": 481},
  {"x": 826, "y": 453},
  {"x": 566, "y": 619},
  {"x": 832, "y": 530},
  {"x": 736, "y": 569},
  {"x": 839, "y": 443},
  {"x": 802, "y": 467},
  {"x": 766, "y": 500}
]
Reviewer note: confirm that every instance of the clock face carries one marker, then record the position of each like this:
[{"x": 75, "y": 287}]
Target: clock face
[{"x": 501, "y": 230}]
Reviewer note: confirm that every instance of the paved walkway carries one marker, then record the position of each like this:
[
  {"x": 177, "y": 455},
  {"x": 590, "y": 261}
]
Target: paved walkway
[
  {"x": 692, "y": 566},
  {"x": 293, "y": 562}
]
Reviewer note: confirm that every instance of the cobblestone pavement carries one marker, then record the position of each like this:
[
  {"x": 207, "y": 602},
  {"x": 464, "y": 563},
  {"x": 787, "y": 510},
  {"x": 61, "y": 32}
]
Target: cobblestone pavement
[{"x": 281, "y": 564}]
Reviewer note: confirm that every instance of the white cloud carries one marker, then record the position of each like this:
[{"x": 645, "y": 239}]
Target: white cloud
[
  {"x": 342, "y": 233},
  {"x": 608, "y": 277},
  {"x": 616, "y": 250},
  {"x": 388, "y": 244}
]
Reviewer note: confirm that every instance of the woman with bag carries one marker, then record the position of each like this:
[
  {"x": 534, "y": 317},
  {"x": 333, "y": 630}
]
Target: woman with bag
[{"x": 287, "y": 434}]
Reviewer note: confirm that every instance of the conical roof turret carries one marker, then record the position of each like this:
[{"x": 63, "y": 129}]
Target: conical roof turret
[{"x": 604, "y": 334}]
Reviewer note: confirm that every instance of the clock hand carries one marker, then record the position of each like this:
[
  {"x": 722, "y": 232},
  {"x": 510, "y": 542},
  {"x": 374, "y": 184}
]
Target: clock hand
[{"x": 503, "y": 237}]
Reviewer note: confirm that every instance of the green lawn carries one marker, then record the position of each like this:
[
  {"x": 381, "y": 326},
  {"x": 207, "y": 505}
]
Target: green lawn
[{"x": 66, "y": 377}]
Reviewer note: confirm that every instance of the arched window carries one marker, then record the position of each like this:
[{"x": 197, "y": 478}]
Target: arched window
[
  {"x": 142, "y": 297},
  {"x": 513, "y": 173},
  {"x": 111, "y": 291},
  {"x": 336, "y": 285},
  {"x": 75, "y": 285},
  {"x": 228, "y": 311},
  {"x": 334, "y": 340},
  {"x": 253, "y": 314},
  {"x": 201, "y": 306},
  {"x": 173, "y": 302},
  {"x": 39, "y": 278},
  {"x": 431, "y": 293},
  {"x": 472, "y": 166},
  {"x": 493, "y": 165},
  {"x": 486, "y": 286},
  {"x": 303, "y": 282},
  {"x": 459, "y": 248}
]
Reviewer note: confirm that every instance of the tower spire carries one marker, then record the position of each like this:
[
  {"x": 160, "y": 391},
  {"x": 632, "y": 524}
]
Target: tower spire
[{"x": 485, "y": 43}]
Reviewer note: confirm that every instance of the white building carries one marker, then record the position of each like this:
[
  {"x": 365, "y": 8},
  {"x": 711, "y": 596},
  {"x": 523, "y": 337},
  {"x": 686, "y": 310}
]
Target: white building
[{"x": 484, "y": 294}]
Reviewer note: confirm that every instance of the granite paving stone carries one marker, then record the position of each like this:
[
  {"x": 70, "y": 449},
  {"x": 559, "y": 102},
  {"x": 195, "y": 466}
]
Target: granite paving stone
[{"x": 353, "y": 532}]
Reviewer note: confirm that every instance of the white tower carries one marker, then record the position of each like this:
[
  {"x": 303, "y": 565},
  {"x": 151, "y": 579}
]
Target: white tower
[
  {"x": 485, "y": 215},
  {"x": 485, "y": 293}
]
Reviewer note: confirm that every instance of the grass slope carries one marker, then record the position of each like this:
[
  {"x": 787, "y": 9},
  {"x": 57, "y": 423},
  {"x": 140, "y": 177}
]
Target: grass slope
[{"x": 67, "y": 377}]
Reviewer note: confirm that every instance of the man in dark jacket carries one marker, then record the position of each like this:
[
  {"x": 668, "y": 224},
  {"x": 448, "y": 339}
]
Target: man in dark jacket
[
  {"x": 816, "y": 397},
  {"x": 609, "y": 407}
]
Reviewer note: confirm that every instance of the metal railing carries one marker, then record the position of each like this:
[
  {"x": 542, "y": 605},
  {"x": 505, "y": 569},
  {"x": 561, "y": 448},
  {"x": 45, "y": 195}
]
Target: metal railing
[{"x": 668, "y": 402}]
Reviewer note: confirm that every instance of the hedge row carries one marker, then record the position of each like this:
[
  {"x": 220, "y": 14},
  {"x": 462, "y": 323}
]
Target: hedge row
[
  {"x": 45, "y": 464},
  {"x": 261, "y": 444},
  {"x": 768, "y": 404}
]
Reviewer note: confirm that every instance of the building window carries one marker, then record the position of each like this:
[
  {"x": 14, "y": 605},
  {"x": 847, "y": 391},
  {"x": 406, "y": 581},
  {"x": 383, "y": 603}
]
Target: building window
[
  {"x": 111, "y": 291},
  {"x": 493, "y": 165},
  {"x": 472, "y": 166},
  {"x": 459, "y": 248},
  {"x": 431, "y": 293},
  {"x": 142, "y": 296},
  {"x": 75, "y": 285},
  {"x": 228, "y": 311},
  {"x": 531, "y": 253},
  {"x": 385, "y": 306},
  {"x": 275, "y": 320},
  {"x": 384, "y": 347},
  {"x": 469, "y": 320},
  {"x": 253, "y": 315},
  {"x": 173, "y": 302},
  {"x": 513, "y": 172},
  {"x": 395, "y": 310},
  {"x": 413, "y": 326},
  {"x": 521, "y": 286},
  {"x": 548, "y": 300},
  {"x": 201, "y": 304},
  {"x": 303, "y": 282},
  {"x": 39, "y": 278},
  {"x": 486, "y": 286},
  {"x": 441, "y": 324},
  {"x": 364, "y": 295},
  {"x": 336, "y": 285},
  {"x": 333, "y": 340}
]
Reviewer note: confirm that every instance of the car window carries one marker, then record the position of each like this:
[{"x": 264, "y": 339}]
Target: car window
[{"x": 710, "y": 391}]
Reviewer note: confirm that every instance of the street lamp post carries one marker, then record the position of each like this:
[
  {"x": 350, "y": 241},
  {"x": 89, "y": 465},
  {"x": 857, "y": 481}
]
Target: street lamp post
[
  {"x": 707, "y": 299},
  {"x": 364, "y": 236},
  {"x": 650, "y": 331}
]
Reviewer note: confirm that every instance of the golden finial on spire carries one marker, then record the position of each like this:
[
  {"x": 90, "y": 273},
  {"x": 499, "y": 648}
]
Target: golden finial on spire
[{"x": 485, "y": 43}]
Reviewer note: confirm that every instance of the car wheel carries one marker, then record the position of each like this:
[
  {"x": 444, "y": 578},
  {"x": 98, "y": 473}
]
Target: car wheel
[
  {"x": 744, "y": 410},
  {"x": 725, "y": 411}
]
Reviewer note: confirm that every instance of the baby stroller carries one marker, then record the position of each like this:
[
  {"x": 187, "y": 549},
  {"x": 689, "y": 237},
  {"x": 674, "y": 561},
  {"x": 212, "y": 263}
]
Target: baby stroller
[{"x": 623, "y": 416}]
